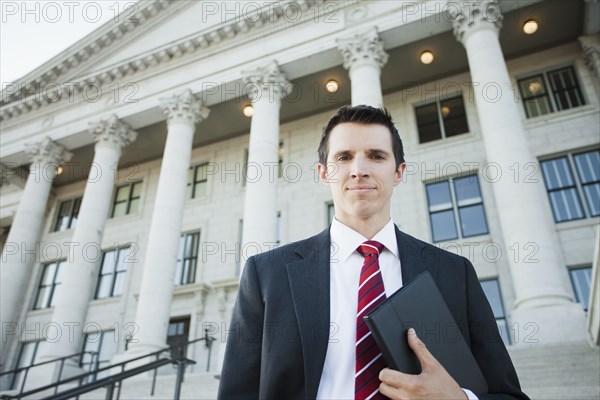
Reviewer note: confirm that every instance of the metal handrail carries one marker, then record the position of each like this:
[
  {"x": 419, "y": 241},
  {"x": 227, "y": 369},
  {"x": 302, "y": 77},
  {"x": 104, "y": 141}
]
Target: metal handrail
[{"x": 62, "y": 360}]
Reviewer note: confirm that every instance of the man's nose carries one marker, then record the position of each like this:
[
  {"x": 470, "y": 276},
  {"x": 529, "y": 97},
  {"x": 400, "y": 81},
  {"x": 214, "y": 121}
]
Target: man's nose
[{"x": 360, "y": 167}]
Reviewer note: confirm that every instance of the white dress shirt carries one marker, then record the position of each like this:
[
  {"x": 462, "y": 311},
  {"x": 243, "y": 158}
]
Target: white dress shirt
[{"x": 337, "y": 378}]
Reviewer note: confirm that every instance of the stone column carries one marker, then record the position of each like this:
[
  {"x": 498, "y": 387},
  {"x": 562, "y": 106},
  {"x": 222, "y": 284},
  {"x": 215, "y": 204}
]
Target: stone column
[
  {"x": 544, "y": 307},
  {"x": 183, "y": 112},
  {"x": 266, "y": 87},
  {"x": 364, "y": 57},
  {"x": 20, "y": 252},
  {"x": 81, "y": 268},
  {"x": 591, "y": 52}
]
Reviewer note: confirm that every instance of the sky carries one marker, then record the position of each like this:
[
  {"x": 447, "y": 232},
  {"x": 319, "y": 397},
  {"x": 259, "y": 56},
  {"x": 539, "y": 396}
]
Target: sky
[{"x": 34, "y": 31}]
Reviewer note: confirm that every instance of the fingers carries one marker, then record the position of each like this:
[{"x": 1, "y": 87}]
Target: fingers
[{"x": 417, "y": 345}]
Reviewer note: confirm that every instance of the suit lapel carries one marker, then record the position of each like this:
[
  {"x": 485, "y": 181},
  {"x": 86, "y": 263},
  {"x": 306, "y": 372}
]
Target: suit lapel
[
  {"x": 309, "y": 284},
  {"x": 414, "y": 259}
]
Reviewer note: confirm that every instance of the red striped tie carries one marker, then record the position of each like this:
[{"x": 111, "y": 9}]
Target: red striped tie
[{"x": 371, "y": 292}]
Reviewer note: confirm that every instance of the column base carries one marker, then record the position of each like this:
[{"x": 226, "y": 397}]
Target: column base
[{"x": 558, "y": 323}]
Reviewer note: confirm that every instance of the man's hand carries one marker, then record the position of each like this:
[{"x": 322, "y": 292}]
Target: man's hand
[{"x": 432, "y": 383}]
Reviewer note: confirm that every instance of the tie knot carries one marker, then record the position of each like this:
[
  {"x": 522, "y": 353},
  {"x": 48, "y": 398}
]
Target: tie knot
[{"x": 370, "y": 248}]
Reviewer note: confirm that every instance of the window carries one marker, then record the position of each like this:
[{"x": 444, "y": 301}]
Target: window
[
  {"x": 197, "y": 181},
  {"x": 28, "y": 355},
  {"x": 127, "y": 199},
  {"x": 51, "y": 279},
  {"x": 456, "y": 202},
  {"x": 492, "y": 292},
  {"x": 566, "y": 189},
  {"x": 112, "y": 273},
  {"x": 104, "y": 344},
  {"x": 441, "y": 119},
  {"x": 581, "y": 278},
  {"x": 550, "y": 91},
  {"x": 187, "y": 259},
  {"x": 68, "y": 211},
  {"x": 177, "y": 335}
]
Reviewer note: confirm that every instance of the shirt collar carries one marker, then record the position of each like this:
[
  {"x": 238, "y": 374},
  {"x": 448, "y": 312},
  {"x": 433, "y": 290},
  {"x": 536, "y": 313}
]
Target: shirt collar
[{"x": 346, "y": 240}]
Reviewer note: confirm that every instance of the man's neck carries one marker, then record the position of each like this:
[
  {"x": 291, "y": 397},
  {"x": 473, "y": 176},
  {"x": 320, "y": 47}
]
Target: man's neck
[{"x": 366, "y": 227}]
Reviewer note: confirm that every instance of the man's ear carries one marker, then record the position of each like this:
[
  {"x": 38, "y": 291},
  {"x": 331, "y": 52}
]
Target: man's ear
[
  {"x": 399, "y": 173},
  {"x": 322, "y": 170}
]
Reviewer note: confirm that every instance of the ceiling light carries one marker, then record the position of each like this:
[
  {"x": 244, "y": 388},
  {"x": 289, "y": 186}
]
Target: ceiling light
[
  {"x": 248, "y": 110},
  {"x": 530, "y": 26},
  {"x": 426, "y": 57},
  {"x": 59, "y": 170},
  {"x": 331, "y": 86},
  {"x": 534, "y": 87},
  {"x": 445, "y": 111}
]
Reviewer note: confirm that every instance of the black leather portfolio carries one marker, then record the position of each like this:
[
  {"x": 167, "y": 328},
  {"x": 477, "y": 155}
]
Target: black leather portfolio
[{"x": 420, "y": 305}]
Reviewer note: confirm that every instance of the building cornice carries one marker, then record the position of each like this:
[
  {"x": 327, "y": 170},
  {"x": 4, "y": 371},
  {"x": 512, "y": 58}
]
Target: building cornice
[{"x": 218, "y": 38}]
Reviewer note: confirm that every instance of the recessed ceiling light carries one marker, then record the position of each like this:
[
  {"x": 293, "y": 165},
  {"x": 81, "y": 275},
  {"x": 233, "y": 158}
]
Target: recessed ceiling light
[
  {"x": 248, "y": 110},
  {"x": 530, "y": 26},
  {"x": 332, "y": 86},
  {"x": 427, "y": 57}
]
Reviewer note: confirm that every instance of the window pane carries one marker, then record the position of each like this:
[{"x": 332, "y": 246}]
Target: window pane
[
  {"x": 122, "y": 193},
  {"x": 108, "y": 262},
  {"x": 201, "y": 172},
  {"x": 492, "y": 293},
  {"x": 137, "y": 189},
  {"x": 428, "y": 123},
  {"x": 133, "y": 207},
  {"x": 123, "y": 259},
  {"x": 565, "y": 205},
  {"x": 467, "y": 190},
  {"x": 104, "y": 286},
  {"x": 533, "y": 86},
  {"x": 200, "y": 189},
  {"x": 43, "y": 297},
  {"x": 119, "y": 281},
  {"x": 535, "y": 96},
  {"x": 438, "y": 195},
  {"x": 566, "y": 89},
  {"x": 588, "y": 166},
  {"x": 472, "y": 220},
  {"x": 59, "y": 273},
  {"x": 581, "y": 279},
  {"x": 454, "y": 116},
  {"x": 48, "y": 274},
  {"x": 443, "y": 226},
  {"x": 557, "y": 173},
  {"x": 75, "y": 213},
  {"x": 592, "y": 196},
  {"x": 120, "y": 210},
  {"x": 62, "y": 222},
  {"x": 108, "y": 346}
]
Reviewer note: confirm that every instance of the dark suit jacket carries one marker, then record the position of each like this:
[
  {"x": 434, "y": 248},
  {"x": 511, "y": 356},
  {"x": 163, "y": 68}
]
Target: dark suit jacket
[{"x": 277, "y": 340}]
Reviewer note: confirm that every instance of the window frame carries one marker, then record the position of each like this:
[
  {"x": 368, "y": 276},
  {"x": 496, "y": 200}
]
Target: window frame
[
  {"x": 71, "y": 215},
  {"x": 130, "y": 199},
  {"x": 550, "y": 92},
  {"x": 179, "y": 266},
  {"x": 99, "y": 363},
  {"x": 113, "y": 273},
  {"x": 16, "y": 377},
  {"x": 501, "y": 301},
  {"x": 577, "y": 293},
  {"x": 440, "y": 117},
  {"x": 582, "y": 200},
  {"x": 53, "y": 285},
  {"x": 192, "y": 186},
  {"x": 455, "y": 207}
]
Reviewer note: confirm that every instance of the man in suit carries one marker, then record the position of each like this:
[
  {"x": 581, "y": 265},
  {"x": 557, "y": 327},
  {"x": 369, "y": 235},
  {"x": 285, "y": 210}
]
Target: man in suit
[{"x": 295, "y": 334}]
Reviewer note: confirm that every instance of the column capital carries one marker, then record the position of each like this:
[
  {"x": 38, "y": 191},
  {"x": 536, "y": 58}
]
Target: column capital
[
  {"x": 47, "y": 151},
  {"x": 184, "y": 107},
  {"x": 591, "y": 52},
  {"x": 267, "y": 81},
  {"x": 364, "y": 48},
  {"x": 112, "y": 131},
  {"x": 468, "y": 16}
]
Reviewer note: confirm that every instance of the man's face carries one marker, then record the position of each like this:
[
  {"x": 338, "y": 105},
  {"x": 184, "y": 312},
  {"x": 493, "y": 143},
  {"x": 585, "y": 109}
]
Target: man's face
[{"x": 361, "y": 173}]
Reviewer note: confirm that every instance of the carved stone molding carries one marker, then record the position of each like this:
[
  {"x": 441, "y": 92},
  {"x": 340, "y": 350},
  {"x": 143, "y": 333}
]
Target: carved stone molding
[
  {"x": 591, "y": 53},
  {"x": 113, "y": 131},
  {"x": 266, "y": 82},
  {"x": 365, "y": 48},
  {"x": 469, "y": 15},
  {"x": 222, "y": 289},
  {"x": 47, "y": 152},
  {"x": 184, "y": 107}
]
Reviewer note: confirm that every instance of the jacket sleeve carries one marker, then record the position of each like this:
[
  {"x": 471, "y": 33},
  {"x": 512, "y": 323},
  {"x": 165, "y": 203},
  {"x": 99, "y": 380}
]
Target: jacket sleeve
[
  {"x": 487, "y": 345},
  {"x": 240, "y": 375}
]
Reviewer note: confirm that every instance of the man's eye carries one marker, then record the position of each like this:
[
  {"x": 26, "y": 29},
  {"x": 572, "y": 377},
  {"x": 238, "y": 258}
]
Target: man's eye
[
  {"x": 378, "y": 157},
  {"x": 343, "y": 158}
]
